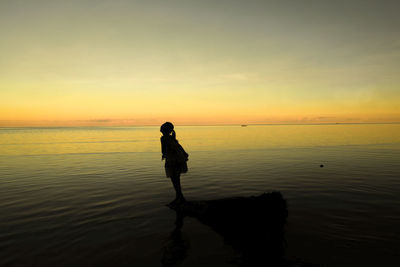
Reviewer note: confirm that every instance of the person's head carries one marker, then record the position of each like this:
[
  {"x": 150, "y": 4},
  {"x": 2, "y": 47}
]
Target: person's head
[{"x": 167, "y": 128}]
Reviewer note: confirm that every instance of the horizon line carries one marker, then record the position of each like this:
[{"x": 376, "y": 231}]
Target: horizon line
[{"x": 230, "y": 124}]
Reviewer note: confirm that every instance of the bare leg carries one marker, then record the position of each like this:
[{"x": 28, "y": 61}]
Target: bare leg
[{"x": 176, "y": 181}]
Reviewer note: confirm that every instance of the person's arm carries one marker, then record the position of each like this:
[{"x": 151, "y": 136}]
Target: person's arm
[{"x": 163, "y": 149}]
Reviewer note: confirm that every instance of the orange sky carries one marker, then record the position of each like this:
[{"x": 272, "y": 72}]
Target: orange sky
[{"x": 231, "y": 62}]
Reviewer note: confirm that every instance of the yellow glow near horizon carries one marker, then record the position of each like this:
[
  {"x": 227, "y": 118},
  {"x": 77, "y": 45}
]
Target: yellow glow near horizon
[
  {"x": 123, "y": 63},
  {"x": 227, "y": 138}
]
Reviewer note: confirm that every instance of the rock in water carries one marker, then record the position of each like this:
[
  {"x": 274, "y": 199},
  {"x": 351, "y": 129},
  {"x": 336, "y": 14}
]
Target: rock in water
[{"x": 254, "y": 226}]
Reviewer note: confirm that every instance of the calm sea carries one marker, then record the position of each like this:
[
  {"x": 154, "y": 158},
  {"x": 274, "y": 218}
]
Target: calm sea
[{"x": 96, "y": 196}]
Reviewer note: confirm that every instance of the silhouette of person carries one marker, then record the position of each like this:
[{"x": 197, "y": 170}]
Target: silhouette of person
[{"x": 175, "y": 159}]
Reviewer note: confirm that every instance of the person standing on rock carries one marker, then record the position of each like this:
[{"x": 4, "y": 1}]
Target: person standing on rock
[{"x": 175, "y": 159}]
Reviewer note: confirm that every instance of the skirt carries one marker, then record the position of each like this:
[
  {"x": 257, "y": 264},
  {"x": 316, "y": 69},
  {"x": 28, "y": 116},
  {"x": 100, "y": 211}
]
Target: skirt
[{"x": 175, "y": 170}]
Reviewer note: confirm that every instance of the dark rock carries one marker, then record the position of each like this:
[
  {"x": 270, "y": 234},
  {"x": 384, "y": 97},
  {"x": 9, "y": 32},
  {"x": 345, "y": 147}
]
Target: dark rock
[{"x": 253, "y": 226}]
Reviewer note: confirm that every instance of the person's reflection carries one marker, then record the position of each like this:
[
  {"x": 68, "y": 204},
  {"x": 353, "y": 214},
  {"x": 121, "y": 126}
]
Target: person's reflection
[{"x": 175, "y": 251}]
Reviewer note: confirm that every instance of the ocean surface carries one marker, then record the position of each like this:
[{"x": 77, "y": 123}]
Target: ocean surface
[{"x": 92, "y": 196}]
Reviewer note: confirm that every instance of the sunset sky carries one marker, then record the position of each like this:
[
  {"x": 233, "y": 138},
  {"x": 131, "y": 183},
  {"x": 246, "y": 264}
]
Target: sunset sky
[{"x": 198, "y": 62}]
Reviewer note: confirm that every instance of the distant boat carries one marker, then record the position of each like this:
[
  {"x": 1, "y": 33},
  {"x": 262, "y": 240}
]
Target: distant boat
[{"x": 244, "y": 125}]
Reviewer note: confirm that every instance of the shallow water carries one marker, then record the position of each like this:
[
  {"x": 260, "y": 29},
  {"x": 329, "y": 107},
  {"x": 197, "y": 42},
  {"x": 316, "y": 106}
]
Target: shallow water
[{"x": 90, "y": 196}]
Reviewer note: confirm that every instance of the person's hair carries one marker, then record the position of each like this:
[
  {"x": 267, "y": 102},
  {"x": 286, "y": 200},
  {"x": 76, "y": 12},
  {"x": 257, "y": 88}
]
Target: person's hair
[{"x": 167, "y": 128}]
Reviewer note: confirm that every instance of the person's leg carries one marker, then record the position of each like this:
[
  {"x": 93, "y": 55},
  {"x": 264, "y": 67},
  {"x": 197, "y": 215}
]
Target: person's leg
[{"x": 176, "y": 181}]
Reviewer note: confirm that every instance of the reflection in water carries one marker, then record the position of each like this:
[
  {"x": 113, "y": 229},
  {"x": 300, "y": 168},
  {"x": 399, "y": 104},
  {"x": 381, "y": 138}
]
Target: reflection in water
[
  {"x": 62, "y": 190},
  {"x": 253, "y": 226},
  {"x": 75, "y": 140},
  {"x": 176, "y": 248}
]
